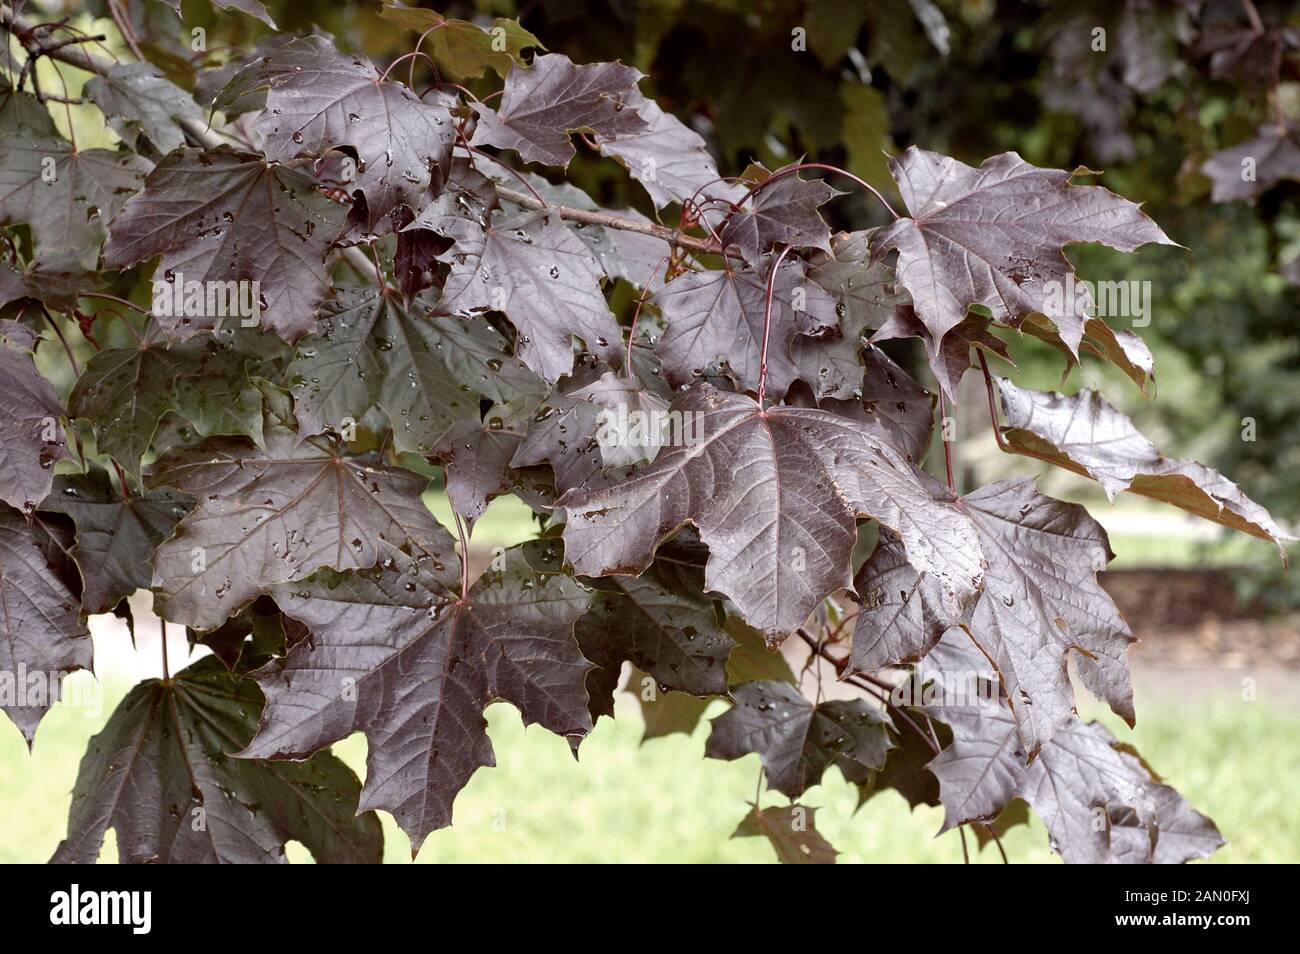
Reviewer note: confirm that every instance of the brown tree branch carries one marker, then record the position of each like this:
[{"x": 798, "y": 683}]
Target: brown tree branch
[{"x": 610, "y": 221}]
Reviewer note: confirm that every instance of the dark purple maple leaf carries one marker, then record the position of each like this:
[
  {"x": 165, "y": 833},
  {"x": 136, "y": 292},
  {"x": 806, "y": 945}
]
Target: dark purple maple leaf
[
  {"x": 792, "y": 832},
  {"x": 274, "y": 514},
  {"x": 776, "y": 495},
  {"x": 718, "y": 317},
  {"x": 784, "y": 212},
  {"x": 1100, "y": 801},
  {"x": 192, "y": 205},
  {"x": 541, "y": 276},
  {"x": 1085, "y": 433},
  {"x": 162, "y": 775},
  {"x": 543, "y": 104},
  {"x": 1249, "y": 169},
  {"x": 31, "y": 435},
  {"x": 41, "y": 630},
  {"x": 798, "y": 740},
  {"x": 319, "y": 99},
  {"x": 993, "y": 236},
  {"x": 400, "y": 654}
]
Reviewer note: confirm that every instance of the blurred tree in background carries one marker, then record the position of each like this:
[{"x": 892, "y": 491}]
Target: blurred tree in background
[{"x": 1148, "y": 90}]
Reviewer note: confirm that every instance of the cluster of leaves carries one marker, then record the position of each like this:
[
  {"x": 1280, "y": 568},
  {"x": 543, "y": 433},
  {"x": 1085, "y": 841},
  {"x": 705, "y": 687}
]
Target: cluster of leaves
[
  {"x": 417, "y": 314},
  {"x": 1149, "y": 92}
]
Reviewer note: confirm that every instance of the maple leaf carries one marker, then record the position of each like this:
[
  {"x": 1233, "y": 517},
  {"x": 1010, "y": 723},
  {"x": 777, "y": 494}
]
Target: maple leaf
[
  {"x": 542, "y": 105},
  {"x": 125, "y": 392},
  {"x": 718, "y": 316},
  {"x": 368, "y": 349},
  {"x": 904, "y": 613},
  {"x": 664, "y": 623},
  {"x": 866, "y": 296},
  {"x": 993, "y": 236},
  {"x": 783, "y": 213},
  {"x": 31, "y": 438},
  {"x": 775, "y": 494},
  {"x": 668, "y": 158},
  {"x": 41, "y": 631},
  {"x": 949, "y": 357},
  {"x": 318, "y": 99},
  {"x": 224, "y": 216},
  {"x": 792, "y": 832},
  {"x": 160, "y": 773},
  {"x": 57, "y": 281},
  {"x": 797, "y": 740},
  {"x": 268, "y": 516},
  {"x": 466, "y": 49},
  {"x": 476, "y": 455},
  {"x": 1100, "y": 801},
  {"x": 1249, "y": 169},
  {"x": 116, "y": 534},
  {"x": 1086, "y": 434},
  {"x": 1041, "y": 600},
  {"x": 1082, "y": 785},
  {"x": 138, "y": 99},
  {"x": 398, "y": 653},
  {"x": 1248, "y": 53},
  {"x": 66, "y": 195},
  {"x": 543, "y": 278},
  {"x": 22, "y": 113}
]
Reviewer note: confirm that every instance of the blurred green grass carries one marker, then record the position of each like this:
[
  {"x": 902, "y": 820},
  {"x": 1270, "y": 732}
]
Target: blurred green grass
[{"x": 662, "y": 802}]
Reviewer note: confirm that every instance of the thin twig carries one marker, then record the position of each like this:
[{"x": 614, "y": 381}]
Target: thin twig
[
  {"x": 124, "y": 27},
  {"x": 167, "y": 674},
  {"x": 631, "y": 331},
  {"x": 790, "y": 170},
  {"x": 610, "y": 221},
  {"x": 993, "y": 409},
  {"x": 464, "y": 555},
  {"x": 72, "y": 359},
  {"x": 419, "y": 43},
  {"x": 867, "y": 682},
  {"x": 767, "y": 323},
  {"x": 405, "y": 56},
  {"x": 943, "y": 439},
  {"x": 997, "y": 841}
]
